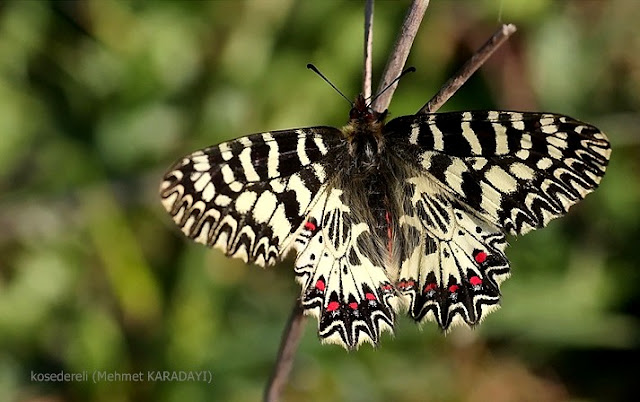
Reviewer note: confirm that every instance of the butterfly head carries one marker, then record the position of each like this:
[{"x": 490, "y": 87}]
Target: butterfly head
[
  {"x": 364, "y": 121},
  {"x": 361, "y": 113}
]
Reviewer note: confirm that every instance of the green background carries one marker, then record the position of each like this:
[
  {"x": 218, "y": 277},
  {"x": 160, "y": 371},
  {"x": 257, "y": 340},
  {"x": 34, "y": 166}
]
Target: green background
[{"x": 98, "y": 98}]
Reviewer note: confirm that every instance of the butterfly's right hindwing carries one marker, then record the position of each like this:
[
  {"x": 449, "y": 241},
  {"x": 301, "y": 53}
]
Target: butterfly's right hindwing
[
  {"x": 451, "y": 262},
  {"x": 249, "y": 196}
]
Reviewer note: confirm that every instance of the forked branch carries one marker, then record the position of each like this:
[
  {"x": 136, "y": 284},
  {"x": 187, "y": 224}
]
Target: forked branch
[{"x": 295, "y": 327}]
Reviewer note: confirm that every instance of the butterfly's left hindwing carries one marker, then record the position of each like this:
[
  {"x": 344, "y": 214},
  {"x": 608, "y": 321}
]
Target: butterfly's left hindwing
[{"x": 249, "y": 196}]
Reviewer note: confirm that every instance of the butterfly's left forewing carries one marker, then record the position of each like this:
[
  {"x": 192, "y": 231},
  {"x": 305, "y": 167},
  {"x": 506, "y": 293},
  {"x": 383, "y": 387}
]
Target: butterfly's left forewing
[{"x": 248, "y": 197}]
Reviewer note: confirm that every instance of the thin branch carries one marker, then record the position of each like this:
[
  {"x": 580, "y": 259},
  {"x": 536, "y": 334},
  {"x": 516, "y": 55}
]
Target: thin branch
[
  {"x": 293, "y": 331},
  {"x": 401, "y": 49},
  {"x": 288, "y": 346},
  {"x": 368, "y": 46},
  {"x": 470, "y": 67}
]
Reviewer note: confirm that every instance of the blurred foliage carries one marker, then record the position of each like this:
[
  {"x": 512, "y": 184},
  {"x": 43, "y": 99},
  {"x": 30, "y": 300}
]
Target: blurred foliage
[{"x": 98, "y": 97}]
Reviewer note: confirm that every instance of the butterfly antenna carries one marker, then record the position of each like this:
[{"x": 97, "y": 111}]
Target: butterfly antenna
[
  {"x": 315, "y": 70},
  {"x": 405, "y": 72}
]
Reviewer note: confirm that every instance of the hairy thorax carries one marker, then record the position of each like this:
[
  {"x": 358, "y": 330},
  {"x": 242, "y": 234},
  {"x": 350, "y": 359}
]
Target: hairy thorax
[{"x": 366, "y": 146}]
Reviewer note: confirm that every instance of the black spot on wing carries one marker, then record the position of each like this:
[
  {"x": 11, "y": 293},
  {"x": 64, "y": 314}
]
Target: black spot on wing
[
  {"x": 471, "y": 189},
  {"x": 439, "y": 165},
  {"x": 514, "y": 138}
]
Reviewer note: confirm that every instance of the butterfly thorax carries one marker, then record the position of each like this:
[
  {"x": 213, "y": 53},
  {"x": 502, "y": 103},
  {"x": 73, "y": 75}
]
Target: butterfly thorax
[{"x": 363, "y": 133}]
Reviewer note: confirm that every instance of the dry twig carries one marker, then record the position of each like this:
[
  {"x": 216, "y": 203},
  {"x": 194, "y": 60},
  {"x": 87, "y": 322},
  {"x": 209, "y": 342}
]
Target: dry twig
[
  {"x": 293, "y": 331},
  {"x": 400, "y": 52},
  {"x": 470, "y": 67},
  {"x": 288, "y": 346},
  {"x": 368, "y": 46}
]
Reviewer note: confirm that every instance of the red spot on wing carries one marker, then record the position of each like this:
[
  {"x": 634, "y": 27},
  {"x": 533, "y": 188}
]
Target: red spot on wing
[
  {"x": 429, "y": 287},
  {"x": 453, "y": 288},
  {"x": 481, "y": 257},
  {"x": 320, "y": 285},
  {"x": 475, "y": 280},
  {"x": 310, "y": 226},
  {"x": 370, "y": 296},
  {"x": 333, "y": 306},
  {"x": 387, "y": 287},
  {"x": 353, "y": 305}
]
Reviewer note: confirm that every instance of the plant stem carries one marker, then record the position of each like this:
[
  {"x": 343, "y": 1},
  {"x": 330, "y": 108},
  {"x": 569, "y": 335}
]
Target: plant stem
[
  {"x": 470, "y": 67},
  {"x": 368, "y": 49},
  {"x": 400, "y": 52},
  {"x": 295, "y": 326},
  {"x": 288, "y": 346}
]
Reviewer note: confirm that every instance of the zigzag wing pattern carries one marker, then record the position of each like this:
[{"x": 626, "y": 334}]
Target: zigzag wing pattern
[
  {"x": 451, "y": 262},
  {"x": 517, "y": 170},
  {"x": 249, "y": 196},
  {"x": 352, "y": 297}
]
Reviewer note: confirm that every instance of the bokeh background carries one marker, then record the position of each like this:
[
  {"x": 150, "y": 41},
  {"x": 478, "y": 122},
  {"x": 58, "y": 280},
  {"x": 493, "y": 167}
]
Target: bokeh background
[{"x": 99, "y": 97}]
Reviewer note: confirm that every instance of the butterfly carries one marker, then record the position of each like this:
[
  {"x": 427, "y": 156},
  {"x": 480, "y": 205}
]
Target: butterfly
[{"x": 408, "y": 216}]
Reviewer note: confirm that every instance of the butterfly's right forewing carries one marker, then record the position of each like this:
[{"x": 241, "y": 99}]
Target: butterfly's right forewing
[{"x": 517, "y": 170}]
